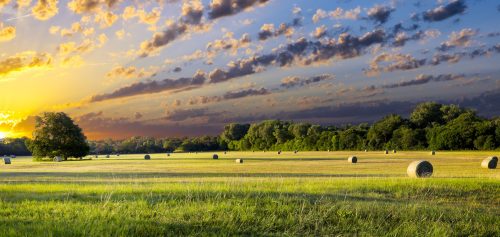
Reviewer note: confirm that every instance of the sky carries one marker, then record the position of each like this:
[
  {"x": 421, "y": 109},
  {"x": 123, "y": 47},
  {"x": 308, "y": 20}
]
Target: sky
[{"x": 170, "y": 68}]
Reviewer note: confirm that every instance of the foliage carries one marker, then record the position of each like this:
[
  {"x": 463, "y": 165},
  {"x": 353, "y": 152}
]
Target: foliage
[
  {"x": 56, "y": 135},
  {"x": 14, "y": 146},
  {"x": 429, "y": 126}
]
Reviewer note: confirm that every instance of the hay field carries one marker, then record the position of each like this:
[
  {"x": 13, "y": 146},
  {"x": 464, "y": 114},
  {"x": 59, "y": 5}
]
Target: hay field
[{"x": 309, "y": 193}]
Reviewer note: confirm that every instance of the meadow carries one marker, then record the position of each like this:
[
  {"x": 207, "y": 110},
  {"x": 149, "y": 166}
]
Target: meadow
[{"x": 309, "y": 193}]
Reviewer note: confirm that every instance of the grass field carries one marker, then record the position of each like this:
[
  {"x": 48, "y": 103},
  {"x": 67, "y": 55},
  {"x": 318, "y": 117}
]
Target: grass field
[{"x": 309, "y": 193}]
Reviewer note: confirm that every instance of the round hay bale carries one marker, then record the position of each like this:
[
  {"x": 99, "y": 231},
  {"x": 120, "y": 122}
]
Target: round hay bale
[
  {"x": 386, "y": 152},
  {"x": 107, "y": 156},
  {"x": 57, "y": 159},
  {"x": 279, "y": 152},
  {"x": 490, "y": 162},
  {"x": 420, "y": 169},
  {"x": 240, "y": 161},
  {"x": 96, "y": 156},
  {"x": 352, "y": 159},
  {"x": 366, "y": 150},
  {"x": 394, "y": 151},
  {"x": 215, "y": 157},
  {"x": 168, "y": 154},
  {"x": 225, "y": 152},
  {"x": 6, "y": 160},
  {"x": 295, "y": 152},
  {"x": 433, "y": 152},
  {"x": 147, "y": 157}
]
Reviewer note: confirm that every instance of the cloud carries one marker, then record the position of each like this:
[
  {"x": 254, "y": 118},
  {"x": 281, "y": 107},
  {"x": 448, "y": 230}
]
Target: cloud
[
  {"x": 105, "y": 19},
  {"x": 7, "y": 33},
  {"x": 87, "y": 45},
  {"x": 458, "y": 39},
  {"x": 268, "y": 30},
  {"x": 88, "y": 6},
  {"x": 150, "y": 87},
  {"x": 293, "y": 81},
  {"x": 130, "y": 72},
  {"x": 337, "y": 14},
  {"x": 319, "y": 15},
  {"x": 443, "y": 12},
  {"x": 45, "y": 9},
  {"x": 395, "y": 62},
  {"x": 424, "y": 79},
  {"x": 161, "y": 39},
  {"x": 245, "y": 93},
  {"x": 319, "y": 32},
  {"x": 221, "y": 8},
  {"x": 192, "y": 12},
  {"x": 23, "y": 61},
  {"x": 340, "y": 13},
  {"x": 379, "y": 14},
  {"x": 183, "y": 114},
  {"x": 228, "y": 42},
  {"x": 301, "y": 51},
  {"x": 190, "y": 21}
]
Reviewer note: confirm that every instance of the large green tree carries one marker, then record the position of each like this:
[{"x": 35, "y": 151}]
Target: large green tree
[{"x": 56, "y": 134}]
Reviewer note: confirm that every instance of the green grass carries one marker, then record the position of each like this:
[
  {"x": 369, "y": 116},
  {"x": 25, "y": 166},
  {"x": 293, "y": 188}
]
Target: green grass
[{"x": 309, "y": 193}]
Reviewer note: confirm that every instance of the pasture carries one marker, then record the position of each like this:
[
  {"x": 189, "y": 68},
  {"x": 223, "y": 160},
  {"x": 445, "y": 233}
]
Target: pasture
[{"x": 308, "y": 193}]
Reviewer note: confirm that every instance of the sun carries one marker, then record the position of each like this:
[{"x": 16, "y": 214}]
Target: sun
[{"x": 3, "y": 135}]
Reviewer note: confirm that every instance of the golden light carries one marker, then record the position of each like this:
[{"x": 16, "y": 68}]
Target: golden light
[{"x": 3, "y": 135}]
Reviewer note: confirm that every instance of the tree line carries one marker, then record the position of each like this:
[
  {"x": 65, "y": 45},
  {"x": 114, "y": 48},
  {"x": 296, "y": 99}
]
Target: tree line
[{"x": 429, "y": 126}]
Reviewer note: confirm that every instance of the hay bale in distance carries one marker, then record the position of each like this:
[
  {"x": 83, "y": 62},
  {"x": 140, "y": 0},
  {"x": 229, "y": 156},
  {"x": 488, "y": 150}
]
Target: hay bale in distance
[
  {"x": 394, "y": 151},
  {"x": 295, "y": 152},
  {"x": 279, "y": 152},
  {"x": 420, "y": 169},
  {"x": 366, "y": 150},
  {"x": 6, "y": 160},
  {"x": 147, "y": 157},
  {"x": 96, "y": 156},
  {"x": 239, "y": 161},
  {"x": 168, "y": 154},
  {"x": 107, "y": 156},
  {"x": 433, "y": 152},
  {"x": 490, "y": 162},
  {"x": 386, "y": 152},
  {"x": 57, "y": 159},
  {"x": 215, "y": 157},
  {"x": 352, "y": 159}
]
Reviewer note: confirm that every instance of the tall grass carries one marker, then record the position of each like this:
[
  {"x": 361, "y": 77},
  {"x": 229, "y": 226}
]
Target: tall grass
[{"x": 169, "y": 198}]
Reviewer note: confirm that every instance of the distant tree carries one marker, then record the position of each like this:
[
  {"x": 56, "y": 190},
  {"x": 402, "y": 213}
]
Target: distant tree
[
  {"x": 171, "y": 144},
  {"x": 351, "y": 139},
  {"x": 235, "y": 131},
  {"x": 458, "y": 134},
  {"x": 381, "y": 132},
  {"x": 450, "y": 112},
  {"x": 426, "y": 113},
  {"x": 405, "y": 138},
  {"x": 55, "y": 134}
]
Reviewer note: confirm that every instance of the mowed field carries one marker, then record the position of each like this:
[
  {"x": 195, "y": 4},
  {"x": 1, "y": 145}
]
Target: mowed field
[{"x": 309, "y": 193}]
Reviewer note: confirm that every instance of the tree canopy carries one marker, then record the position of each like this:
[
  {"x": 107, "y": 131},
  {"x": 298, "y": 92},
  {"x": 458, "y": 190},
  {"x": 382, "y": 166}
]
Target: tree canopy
[{"x": 56, "y": 134}]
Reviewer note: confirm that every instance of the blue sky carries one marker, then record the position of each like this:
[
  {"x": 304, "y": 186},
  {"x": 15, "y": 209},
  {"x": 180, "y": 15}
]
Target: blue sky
[{"x": 174, "y": 68}]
